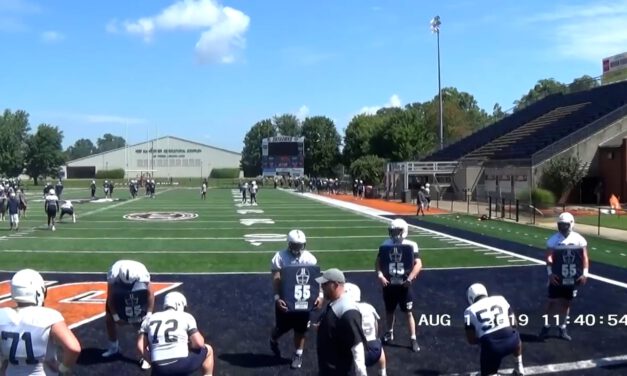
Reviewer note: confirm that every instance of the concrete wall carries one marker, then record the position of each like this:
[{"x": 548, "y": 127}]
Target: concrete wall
[{"x": 169, "y": 156}]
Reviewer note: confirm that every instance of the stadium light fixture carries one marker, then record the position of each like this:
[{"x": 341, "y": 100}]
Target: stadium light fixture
[{"x": 435, "y": 28}]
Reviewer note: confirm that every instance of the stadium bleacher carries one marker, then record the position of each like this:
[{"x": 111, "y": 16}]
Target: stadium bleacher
[{"x": 534, "y": 127}]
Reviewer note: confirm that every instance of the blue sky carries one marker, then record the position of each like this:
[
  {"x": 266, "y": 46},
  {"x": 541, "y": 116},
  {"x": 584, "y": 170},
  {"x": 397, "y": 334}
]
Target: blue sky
[{"x": 208, "y": 70}]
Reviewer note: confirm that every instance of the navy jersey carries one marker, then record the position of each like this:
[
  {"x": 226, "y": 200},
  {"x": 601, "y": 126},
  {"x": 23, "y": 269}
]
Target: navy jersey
[
  {"x": 568, "y": 265},
  {"x": 299, "y": 289},
  {"x": 131, "y": 301},
  {"x": 397, "y": 261}
]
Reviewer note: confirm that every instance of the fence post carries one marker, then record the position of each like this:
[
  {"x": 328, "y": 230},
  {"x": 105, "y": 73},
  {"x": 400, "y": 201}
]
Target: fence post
[
  {"x": 502, "y": 207},
  {"x": 517, "y": 208},
  {"x": 510, "y": 208},
  {"x": 599, "y": 221},
  {"x": 489, "y": 207},
  {"x": 533, "y": 210}
]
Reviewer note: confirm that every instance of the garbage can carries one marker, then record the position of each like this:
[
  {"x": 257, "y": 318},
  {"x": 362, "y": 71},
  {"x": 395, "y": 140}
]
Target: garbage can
[{"x": 406, "y": 197}]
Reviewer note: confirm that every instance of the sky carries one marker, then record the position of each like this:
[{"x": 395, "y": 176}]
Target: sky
[{"x": 207, "y": 70}]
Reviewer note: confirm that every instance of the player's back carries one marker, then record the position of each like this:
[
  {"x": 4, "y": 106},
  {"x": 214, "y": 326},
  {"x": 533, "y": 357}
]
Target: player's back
[
  {"x": 488, "y": 315},
  {"x": 369, "y": 320},
  {"x": 25, "y": 339},
  {"x": 168, "y": 333}
]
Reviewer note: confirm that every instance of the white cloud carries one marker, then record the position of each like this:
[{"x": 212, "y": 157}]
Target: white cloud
[
  {"x": 394, "y": 101},
  {"x": 302, "y": 112},
  {"x": 588, "y": 32},
  {"x": 52, "y": 36},
  {"x": 224, "y": 27},
  {"x": 110, "y": 119}
]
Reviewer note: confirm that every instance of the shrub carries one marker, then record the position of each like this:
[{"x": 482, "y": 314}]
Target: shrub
[
  {"x": 540, "y": 198},
  {"x": 369, "y": 168},
  {"x": 224, "y": 173},
  {"x": 117, "y": 173}
]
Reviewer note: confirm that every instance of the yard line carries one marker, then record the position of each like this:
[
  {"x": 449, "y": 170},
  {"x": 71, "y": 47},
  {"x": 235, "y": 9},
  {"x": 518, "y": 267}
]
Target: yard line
[
  {"x": 562, "y": 367},
  {"x": 169, "y": 223},
  {"x": 260, "y": 226},
  {"x": 189, "y": 238},
  {"x": 373, "y": 250}
]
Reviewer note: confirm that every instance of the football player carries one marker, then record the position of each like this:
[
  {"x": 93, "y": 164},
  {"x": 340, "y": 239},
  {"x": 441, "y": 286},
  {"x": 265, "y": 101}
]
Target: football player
[
  {"x": 67, "y": 208},
  {"x": 567, "y": 266},
  {"x": 203, "y": 190},
  {"x": 29, "y": 330},
  {"x": 399, "y": 294},
  {"x": 92, "y": 188},
  {"x": 299, "y": 322},
  {"x": 129, "y": 301},
  {"x": 51, "y": 205},
  {"x": 253, "y": 193},
  {"x": 370, "y": 326},
  {"x": 171, "y": 342},
  {"x": 490, "y": 322}
]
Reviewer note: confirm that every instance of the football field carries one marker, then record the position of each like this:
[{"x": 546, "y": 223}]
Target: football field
[{"x": 217, "y": 252}]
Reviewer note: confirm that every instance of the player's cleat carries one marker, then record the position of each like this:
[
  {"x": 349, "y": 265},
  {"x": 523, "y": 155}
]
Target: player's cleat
[
  {"x": 564, "y": 334},
  {"x": 111, "y": 351},
  {"x": 274, "y": 346},
  {"x": 517, "y": 373},
  {"x": 297, "y": 361},
  {"x": 414, "y": 346},
  {"x": 143, "y": 364},
  {"x": 53, "y": 228},
  {"x": 387, "y": 338},
  {"x": 544, "y": 333}
]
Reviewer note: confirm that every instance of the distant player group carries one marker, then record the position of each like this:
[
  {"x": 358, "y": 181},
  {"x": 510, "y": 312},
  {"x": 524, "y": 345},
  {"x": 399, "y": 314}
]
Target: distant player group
[{"x": 348, "y": 340}]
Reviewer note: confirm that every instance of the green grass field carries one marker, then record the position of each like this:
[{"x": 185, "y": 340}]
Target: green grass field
[
  {"x": 602, "y": 250},
  {"x": 606, "y": 220},
  {"x": 217, "y": 240}
]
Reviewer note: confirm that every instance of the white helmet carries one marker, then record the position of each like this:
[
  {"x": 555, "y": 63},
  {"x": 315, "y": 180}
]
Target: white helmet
[
  {"x": 52, "y": 192},
  {"x": 27, "y": 286},
  {"x": 398, "y": 229},
  {"x": 296, "y": 241},
  {"x": 475, "y": 291},
  {"x": 175, "y": 300},
  {"x": 352, "y": 291},
  {"x": 565, "y": 223}
]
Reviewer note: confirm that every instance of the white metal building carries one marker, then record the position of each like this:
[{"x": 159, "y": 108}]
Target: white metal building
[{"x": 161, "y": 158}]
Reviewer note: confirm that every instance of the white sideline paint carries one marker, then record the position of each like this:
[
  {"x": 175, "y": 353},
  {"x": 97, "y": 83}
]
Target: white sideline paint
[
  {"x": 561, "y": 367},
  {"x": 379, "y": 215}
]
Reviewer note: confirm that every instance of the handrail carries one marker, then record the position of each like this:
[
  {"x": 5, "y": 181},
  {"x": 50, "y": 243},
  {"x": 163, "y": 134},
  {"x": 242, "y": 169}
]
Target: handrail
[{"x": 578, "y": 135}]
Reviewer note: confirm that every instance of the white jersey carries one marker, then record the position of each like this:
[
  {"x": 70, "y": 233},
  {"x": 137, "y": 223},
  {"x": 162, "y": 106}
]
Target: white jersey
[
  {"x": 52, "y": 200},
  {"x": 136, "y": 271},
  {"x": 25, "y": 333},
  {"x": 286, "y": 257},
  {"x": 369, "y": 320},
  {"x": 168, "y": 334},
  {"x": 572, "y": 241},
  {"x": 414, "y": 245},
  {"x": 488, "y": 315},
  {"x": 67, "y": 205}
]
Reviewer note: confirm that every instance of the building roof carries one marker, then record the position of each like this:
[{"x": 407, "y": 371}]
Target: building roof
[{"x": 153, "y": 140}]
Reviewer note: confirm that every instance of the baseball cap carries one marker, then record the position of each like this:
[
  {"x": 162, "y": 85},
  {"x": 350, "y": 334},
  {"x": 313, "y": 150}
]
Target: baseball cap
[{"x": 331, "y": 275}]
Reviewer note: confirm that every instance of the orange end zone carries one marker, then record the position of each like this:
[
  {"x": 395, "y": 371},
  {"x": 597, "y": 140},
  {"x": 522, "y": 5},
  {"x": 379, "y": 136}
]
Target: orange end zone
[{"x": 398, "y": 208}]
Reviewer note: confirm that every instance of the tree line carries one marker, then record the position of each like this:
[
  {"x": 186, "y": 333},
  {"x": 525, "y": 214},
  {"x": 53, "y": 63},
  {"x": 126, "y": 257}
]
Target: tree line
[
  {"x": 391, "y": 134},
  {"x": 41, "y": 154}
]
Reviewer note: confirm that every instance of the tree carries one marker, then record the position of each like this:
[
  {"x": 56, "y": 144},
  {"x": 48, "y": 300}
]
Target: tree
[
  {"x": 251, "y": 154},
  {"x": 562, "y": 174},
  {"x": 81, "y": 148},
  {"x": 584, "y": 82},
  {"x": 542, "y": 89},
  {"x": 357, "y": 137},
  {"x": 369, "y": 168},
  {"x": 14, "y": 130},
  {"x": 287, "y": 125},
  {"x": 322, "y": 146},
  {"x": 44, "y": 152},
  {"x": 497, "y": 113},
  {"x": 110, "y": 142},
  {"x": 403, "y": 136}
]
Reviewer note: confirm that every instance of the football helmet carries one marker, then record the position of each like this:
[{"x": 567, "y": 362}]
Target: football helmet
[
  {"x": 475, "y": 291},
  {"x": 175, "y": 300},
  {"x": 27, "y": 286},
  {"x": 398, "y": 229},
  {"x": 352, "y": 291},
  {"x": 296, "y": 242},
  {"x": 52, "y": 192},
  {"x": 565, "y": 223}
]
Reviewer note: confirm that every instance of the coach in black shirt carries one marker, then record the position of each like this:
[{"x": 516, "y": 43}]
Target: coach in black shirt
[{"x": 340, "y": 337}]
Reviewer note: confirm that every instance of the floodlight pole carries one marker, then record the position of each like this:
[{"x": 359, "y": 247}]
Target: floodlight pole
[{"x": 435, "y": 27}]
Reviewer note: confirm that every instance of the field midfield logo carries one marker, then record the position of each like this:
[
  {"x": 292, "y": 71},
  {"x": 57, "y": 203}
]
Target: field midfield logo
[{"x": 160, "y": 216}]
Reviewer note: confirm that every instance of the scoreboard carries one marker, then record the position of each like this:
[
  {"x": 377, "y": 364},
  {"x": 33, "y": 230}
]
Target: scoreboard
[{"x": 283, "y": 155}]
